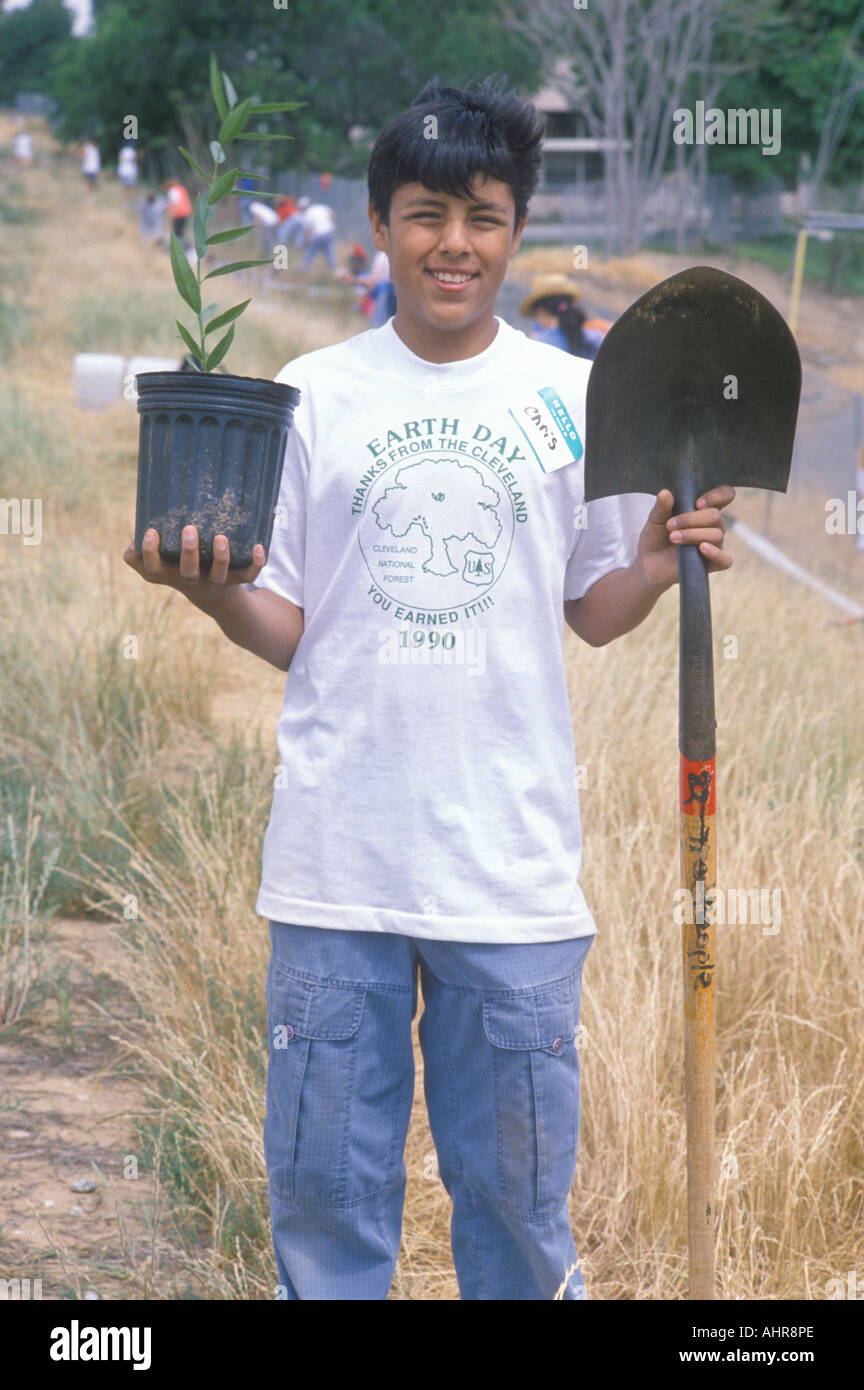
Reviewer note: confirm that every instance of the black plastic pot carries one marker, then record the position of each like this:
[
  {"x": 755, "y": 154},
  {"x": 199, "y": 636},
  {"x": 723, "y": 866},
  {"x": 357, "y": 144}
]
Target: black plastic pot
[{"x": 210, "y": 451}]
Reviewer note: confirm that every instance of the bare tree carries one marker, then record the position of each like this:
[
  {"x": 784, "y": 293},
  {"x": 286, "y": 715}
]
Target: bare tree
[
  {"x": 629, "y": 65},
  {"x": 848, "y": 86}
]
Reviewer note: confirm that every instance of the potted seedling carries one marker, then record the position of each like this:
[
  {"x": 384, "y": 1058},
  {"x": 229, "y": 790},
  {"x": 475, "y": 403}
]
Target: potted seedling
[{"x": 210, "y": 444}]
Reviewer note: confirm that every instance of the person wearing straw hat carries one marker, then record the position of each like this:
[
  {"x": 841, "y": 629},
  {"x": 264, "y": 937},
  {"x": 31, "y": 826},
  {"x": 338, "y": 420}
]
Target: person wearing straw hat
[{"x": 552, "y": 303}]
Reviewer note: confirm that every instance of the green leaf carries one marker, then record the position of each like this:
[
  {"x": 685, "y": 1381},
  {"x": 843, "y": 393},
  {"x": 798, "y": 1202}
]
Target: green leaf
[
  {"x": 229, "y": 236},
  {"x": 236, "y": 265},
  {"x": 247, "y": 174},
  {"x": 231, "y": 127},
  {"x": 189, "y": 340},
  {"x": 217, "y": 89},
  {"x": 267, "y": 108},
  {"x": 203, "y": 214},
  {"x": 216, "y": 150},
  {"x": 228, "y": 317},
  {"x": 184, "y": 279},
  {"x": 220, "y": 350},
  {"x": 196, "y": 167},
  {"x": 259, "y": 136},
  {"x": 229, "y": 90},
  {"x": 224, "y": 184}
]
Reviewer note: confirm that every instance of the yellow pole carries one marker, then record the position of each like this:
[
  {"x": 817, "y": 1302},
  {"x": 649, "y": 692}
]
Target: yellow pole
[{"x": 797, "y": 277}]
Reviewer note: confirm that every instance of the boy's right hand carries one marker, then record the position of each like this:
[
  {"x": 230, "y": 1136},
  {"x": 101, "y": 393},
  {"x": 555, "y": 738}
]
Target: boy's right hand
[{"x": 187, "y": 576}]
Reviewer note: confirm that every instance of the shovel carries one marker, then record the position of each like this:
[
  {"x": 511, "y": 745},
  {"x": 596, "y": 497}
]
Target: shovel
[{"x": 696, "y": 385}]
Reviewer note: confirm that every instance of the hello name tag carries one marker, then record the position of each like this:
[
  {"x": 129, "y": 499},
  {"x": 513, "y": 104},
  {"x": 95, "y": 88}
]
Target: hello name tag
[{"x": 545, "y": 423}]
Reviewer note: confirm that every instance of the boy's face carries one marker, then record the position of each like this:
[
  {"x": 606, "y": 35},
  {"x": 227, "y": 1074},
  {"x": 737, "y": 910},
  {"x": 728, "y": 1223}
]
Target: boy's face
[{"x": 470, "y": 239}]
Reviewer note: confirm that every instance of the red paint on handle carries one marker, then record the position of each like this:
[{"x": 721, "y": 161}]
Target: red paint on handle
[{"x": 697, "y": 778}]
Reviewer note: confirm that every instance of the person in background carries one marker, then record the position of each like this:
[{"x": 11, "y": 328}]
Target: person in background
[
  {"x": 325, "y": 180},
  {"x": 357, "y": 260},
  {"x": 22, "y": 147},
  {"x": 382, "y": 294},
  {"x": 249, "y": 186},
  {"x": 127, "y": 168},
  {"x": 91, "y": 163},
  {"x": 354, "y": 274},
  {"x": 552, "y": 303},
  {"x": 292, "y": 230},
  {"x": 266, "y": 219},
  {"x": 379, "y": 304},
  {"x": 319, "y": 223},
  {"x": 151, "y": 210},
  {"x": 179, "y": 207},
  {"x": 286, "y": 207}
]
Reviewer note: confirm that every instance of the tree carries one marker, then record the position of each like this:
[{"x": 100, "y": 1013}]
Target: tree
[
  {"x": 446, "y": 501},
  {"x": 355, "y": 62},
  {"x": 29, "y": 40},
  {"x": 845, "y": 97},
  {"x": 630, "y": 64}
]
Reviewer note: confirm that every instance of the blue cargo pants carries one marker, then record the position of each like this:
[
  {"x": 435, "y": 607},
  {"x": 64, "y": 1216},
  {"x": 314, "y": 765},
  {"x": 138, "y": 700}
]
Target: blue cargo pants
[{"x": 500, "y": 1041}]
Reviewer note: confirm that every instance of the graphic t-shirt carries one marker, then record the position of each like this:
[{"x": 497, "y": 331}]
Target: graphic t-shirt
[{"x": 430, "y": 523}]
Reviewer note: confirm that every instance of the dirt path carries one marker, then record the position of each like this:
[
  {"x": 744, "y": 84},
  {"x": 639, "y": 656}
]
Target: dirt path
[
  {"x": 830, "y": 330},
  {"x": 66, "y": 1123}
]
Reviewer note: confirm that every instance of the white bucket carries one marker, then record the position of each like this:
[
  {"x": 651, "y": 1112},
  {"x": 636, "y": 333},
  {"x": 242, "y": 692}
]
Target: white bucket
[
  {"x": 98, "y": 379},
  {"x": 135, "y": 365}
]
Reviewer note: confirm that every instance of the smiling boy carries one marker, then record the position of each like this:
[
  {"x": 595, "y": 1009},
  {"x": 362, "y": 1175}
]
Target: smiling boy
[{"x": 425, "y": 817}]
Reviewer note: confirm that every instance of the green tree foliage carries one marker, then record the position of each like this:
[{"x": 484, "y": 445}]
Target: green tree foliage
[
  {"x": 29, "y": 41},
  {"x": 356, "y": 63},
  {"x": 797, "y": 67}
]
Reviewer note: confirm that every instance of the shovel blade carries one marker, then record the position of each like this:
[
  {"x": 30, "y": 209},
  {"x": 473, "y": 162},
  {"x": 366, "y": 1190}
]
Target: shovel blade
[{"x": 697, "y": 383}]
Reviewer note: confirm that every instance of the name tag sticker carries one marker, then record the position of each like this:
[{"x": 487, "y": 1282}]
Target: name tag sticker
[{"x": 548, "y": 429}]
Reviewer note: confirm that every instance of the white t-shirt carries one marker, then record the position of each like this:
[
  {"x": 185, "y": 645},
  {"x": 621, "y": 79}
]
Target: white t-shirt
[
  {"x": 318, "y": 219},
  {"x": 264, "y": 214},
  {"x": 379, "y": 269},
  {"x": 426, "y": 782}
]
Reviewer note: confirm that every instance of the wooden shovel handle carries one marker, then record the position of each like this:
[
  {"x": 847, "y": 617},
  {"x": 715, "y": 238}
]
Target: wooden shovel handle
[
  {"x": 697, "y": 798},
  {"x": 698, "y": 874}
]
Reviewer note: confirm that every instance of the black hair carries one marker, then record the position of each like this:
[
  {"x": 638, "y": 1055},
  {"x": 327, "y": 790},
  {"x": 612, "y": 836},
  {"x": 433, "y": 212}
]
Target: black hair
[
  {"x": 570, "y": 319},
  {"x": 481, "y": 129}
]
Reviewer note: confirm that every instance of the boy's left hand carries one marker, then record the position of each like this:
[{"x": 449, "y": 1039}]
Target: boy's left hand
[{"x": 664, "y": 532}]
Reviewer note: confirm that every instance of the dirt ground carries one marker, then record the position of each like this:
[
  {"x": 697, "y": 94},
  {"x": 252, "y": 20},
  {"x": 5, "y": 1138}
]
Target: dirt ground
[
  {"x": 66, "y": 1108},
  {"x": 830, "y": 332}
]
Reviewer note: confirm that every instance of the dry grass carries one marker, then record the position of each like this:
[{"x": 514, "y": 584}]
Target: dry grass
[{"x": 174, "y": 844}]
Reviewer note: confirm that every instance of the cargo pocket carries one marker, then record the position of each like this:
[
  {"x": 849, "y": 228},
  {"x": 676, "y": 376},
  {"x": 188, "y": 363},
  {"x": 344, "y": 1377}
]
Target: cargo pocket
[
  {"x": 536, "y": 1078},
  {"x": 313, "y": 1028}
]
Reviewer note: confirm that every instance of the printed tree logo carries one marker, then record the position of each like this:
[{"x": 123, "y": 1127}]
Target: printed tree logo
[{"x": 447, "y": 501}]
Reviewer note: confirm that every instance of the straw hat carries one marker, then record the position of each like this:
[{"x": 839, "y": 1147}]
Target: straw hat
[{"x": 544, "y": 285}]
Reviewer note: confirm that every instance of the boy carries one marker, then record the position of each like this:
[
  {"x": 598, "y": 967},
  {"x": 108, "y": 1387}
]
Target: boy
[{"x": 426, "y": 816}]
